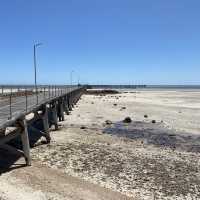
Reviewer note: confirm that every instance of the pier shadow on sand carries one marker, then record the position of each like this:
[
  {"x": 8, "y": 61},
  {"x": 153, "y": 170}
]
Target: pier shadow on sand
[
  {"x": 156, "y": 134},
  {"x": 11, "y": 159}
]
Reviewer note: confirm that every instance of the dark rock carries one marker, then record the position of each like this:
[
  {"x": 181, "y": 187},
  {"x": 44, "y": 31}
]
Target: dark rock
[
  {"x": 127, "y": 120},
  {"x": 145, "y": 116},
  {"x": 83, "y": 127},
  {"x": 108, "y": 122},
  {"x": 153, "y": 121},
  {"x": 114, "y": 104},
  {"x": 123, "y": 108}
]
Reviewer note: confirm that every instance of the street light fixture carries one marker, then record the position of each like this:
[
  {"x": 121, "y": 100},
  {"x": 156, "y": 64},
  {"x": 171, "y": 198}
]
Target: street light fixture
[{"x": 35, "y": 67}]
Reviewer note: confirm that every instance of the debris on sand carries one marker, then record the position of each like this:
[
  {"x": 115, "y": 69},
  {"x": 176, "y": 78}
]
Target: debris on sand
[
  {"x": 83, "y": 127},
  {"x": 127, "y": 120},
  {"x": 122, "y": 108},
  {"x": 145, "y": 116},
  {"x": 108, "y": 122},
  {"x": 114, "y": 104},
  {"x": 153, "y": 121}
]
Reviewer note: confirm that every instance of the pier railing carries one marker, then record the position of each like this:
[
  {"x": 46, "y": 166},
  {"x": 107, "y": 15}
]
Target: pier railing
[{"x": 17, "y": 99}]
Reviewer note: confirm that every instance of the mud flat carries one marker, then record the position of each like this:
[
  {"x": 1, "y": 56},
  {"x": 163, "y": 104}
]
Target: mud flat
[{"x": 156, "y": 156}]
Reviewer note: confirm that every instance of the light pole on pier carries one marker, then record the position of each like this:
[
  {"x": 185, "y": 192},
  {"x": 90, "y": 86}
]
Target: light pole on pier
[
  {"x": 78, "y": 80},
  {"x": 71, "y": 74},
  {"x": 35, "y": 67}
]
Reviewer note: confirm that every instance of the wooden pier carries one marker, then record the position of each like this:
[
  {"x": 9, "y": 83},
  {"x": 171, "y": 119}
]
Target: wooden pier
[{"x": 46, "y": 108}]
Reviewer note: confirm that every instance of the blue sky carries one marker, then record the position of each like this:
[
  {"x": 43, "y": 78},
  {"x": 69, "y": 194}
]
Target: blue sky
[{"x": 103, "y": 41}]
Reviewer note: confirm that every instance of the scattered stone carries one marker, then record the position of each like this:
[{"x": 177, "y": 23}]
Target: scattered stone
[
  {"x": 83, "y": 127},
  {"x": 108, "y": 122},
  {"x": 145, "y": 116},
  {"x": 114, "y": 104},
  {"x": 153, "y": 121},
  {"x": 92, "y": 102},
  {"x": 127, "y": 120},
  {"x": 123, "y": 108}
]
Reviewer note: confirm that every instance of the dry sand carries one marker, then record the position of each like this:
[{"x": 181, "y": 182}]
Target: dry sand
[{"x": 140, "y": 160}]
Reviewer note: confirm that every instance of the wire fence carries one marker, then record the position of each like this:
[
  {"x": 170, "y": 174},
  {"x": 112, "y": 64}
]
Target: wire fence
[{"x": 17, "y": 99}]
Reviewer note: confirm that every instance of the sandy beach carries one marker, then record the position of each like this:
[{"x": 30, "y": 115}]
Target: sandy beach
[{"x": 95, "y": 155}]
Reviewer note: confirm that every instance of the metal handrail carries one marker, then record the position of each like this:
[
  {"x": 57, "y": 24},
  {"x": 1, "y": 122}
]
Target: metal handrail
[{"x": 17, "y": 98}]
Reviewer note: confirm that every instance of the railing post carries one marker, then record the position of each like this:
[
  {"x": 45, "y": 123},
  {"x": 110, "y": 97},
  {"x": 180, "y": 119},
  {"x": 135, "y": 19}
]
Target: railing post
[
  {"x": 44, "y": 92},
  {"x": 10, "y": 102},
  {"x": 49, "y": 92},
  {"x": 36, "y": 92},
  {"x": 26, "y": 100}
]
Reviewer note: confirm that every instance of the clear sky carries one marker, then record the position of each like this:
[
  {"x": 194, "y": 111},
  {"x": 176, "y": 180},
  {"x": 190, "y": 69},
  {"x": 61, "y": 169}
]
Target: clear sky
[{"x": 103, "y": 41}]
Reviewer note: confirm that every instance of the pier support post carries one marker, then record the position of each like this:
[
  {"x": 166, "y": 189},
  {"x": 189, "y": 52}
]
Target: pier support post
[
  {"x": 66, "y": 108},
  {"x": 25, "y": 142},
  {"x": 54, "y": 116},
  {"x": 69, "y": 102},
  {"x": 61, "y": 110},
  {"x": 45, "y": 120},
  {"x": 72, "y": 99},
  {"x": 2, "y": 132}
]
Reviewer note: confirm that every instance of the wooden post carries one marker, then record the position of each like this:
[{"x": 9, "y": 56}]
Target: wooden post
[
  {"x": 72, "y": 99},
  {"x": 25, "y": 142},
  {"x": 69, "y": 102},
  {"x": 66, "y": 108},
  {"x": 55, "y": 117},
  {"x": 45, "y": 120},
  {"x": 61, "y": 109},
  {"x": 2, "y": 132}
]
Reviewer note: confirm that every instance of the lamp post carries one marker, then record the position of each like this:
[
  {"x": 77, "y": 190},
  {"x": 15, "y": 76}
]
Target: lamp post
[
  {"x": 71, "y": 77},
  {"x": 78, "y": 80},
  {"x": 35, "y": 67}
]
